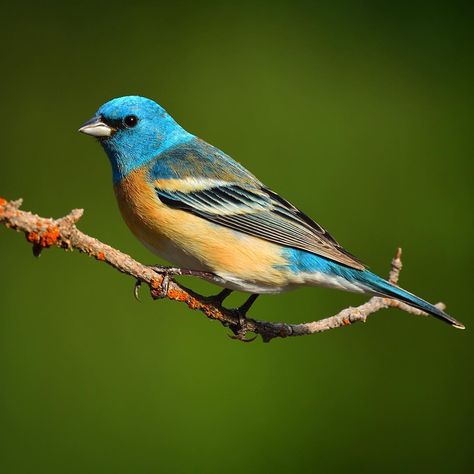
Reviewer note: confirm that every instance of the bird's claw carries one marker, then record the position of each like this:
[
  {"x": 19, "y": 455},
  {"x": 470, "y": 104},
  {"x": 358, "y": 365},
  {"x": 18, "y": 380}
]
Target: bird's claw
[
  {"x": 240, "y": 331},
  {"x": 162, "y": 290},
  {"x": 240, "y": 336},
  {"x": 136, "y": 289}
]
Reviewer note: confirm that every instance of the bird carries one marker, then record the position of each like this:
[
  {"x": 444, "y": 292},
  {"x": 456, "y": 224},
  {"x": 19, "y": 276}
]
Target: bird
[{"x": 193, "y": 205}]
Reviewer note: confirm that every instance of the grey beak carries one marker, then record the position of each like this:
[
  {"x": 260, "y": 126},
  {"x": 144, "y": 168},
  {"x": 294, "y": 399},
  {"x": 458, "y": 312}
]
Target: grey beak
[{"x": 96, "y": 128}]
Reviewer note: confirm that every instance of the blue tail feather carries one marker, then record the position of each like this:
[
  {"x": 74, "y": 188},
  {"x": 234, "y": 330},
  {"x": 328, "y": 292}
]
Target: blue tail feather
[
  {"x": 302, "y": 261},
  {"x": 385, "y": 288}
]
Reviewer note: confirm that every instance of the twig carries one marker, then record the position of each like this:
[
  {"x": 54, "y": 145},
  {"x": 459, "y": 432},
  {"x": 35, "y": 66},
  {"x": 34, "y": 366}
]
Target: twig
[{"x": 63, "y": 233}]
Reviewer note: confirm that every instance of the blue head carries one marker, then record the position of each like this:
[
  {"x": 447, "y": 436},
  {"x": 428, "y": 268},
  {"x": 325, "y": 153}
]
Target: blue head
[{"x": 133, "y": 130}]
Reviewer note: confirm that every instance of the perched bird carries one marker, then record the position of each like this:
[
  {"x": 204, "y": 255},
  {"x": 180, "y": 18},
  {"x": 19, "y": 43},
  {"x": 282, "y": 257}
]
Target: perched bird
[{"x": 193, "y": 205}]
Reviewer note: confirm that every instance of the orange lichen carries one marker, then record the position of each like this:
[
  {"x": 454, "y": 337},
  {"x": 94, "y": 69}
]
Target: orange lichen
[
  {"x": 44, "y": 239},
  {"x": 346, "y": 322},
  {"x": 194, "y": 304},
  {"x": 33, "y": 237},
  {"x": 100, "y": 256},
  {"x": 2, "y": 201},
  {"x": 155, "y": 284},
  {"x": 177, "y": 295},
  {"x": 49, "y": 237}
]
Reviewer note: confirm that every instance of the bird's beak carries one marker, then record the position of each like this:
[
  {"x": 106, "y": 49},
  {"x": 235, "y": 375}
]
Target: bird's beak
[{"x": 96, "y": 128}]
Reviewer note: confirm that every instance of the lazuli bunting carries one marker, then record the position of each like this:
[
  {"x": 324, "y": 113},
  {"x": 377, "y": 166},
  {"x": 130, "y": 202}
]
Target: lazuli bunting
[{"x": 195, "y": 206}]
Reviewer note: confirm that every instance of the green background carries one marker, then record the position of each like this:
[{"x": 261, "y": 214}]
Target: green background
[{"x": 361, "y": 114}]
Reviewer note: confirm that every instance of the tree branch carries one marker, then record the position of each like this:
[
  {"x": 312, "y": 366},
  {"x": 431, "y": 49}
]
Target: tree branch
[{"x": 43, "y": 233}]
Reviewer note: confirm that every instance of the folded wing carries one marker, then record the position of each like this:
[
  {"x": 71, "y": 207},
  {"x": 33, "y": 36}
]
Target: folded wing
[{"x": 259, "y": 212}]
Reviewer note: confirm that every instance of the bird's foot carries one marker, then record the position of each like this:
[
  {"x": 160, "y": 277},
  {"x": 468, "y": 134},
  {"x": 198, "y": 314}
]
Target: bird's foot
[
  {"x": 162, "y": 291},
  {"x": 240, "y": 330},
  {"x": 167, "y": 273}
]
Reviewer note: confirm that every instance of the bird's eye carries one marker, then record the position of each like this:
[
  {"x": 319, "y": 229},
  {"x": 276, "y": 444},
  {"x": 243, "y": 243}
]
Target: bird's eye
[{"x": 130, "y": 121}]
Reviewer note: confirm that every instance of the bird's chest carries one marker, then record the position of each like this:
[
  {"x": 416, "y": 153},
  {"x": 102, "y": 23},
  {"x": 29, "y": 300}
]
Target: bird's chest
[
  {"x": 163, "y": 230},
  {"x": 142, "y": 211}
]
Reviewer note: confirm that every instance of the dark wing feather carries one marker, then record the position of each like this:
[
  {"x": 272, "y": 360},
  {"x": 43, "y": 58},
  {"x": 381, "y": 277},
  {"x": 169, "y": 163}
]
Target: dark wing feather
[{"x": 260, "y": 213}]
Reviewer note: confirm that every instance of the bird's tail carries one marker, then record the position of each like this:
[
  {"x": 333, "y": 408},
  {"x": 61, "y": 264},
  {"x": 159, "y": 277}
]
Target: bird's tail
[{"x": 384, "y": 288}]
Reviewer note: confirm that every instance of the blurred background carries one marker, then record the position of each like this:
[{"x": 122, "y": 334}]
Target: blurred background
[{"x": 359, "y": 114}]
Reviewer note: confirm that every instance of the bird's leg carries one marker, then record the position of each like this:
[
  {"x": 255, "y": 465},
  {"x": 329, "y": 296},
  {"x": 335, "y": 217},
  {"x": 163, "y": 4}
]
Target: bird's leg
[
  {"x": 219, "y": 298},
  {"x": 240, "y": 331},
  {"x": 243, "y": 310},
  {"x": 173, "y": 271}
]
